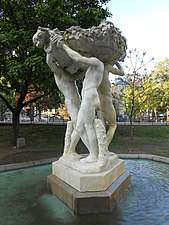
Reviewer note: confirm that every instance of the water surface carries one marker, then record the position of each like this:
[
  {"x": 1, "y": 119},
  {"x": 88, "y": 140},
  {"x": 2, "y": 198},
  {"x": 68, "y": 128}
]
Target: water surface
[{"x": 24, "y": 199}]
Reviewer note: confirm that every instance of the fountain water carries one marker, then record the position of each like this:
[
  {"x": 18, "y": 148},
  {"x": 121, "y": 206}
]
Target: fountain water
[{"x": 25, "y": 200}]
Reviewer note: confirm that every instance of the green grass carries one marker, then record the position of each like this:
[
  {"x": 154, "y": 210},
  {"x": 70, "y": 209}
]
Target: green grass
[
  {"x": 147, "y": 139},
  {"x": 43, "y": 136},
  {"x": 38, "y": 137},
  {"x": 152, "y": 131}
]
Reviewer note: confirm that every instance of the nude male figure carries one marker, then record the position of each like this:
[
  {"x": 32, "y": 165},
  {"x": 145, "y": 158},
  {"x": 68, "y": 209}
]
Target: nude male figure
[
  {"x": 90, "y": 98},
  {"x": 94, "y": 82},
  {"x": 105, "y": 92},
  {"x": 90, "y": 102},
  {"x": 64, "y": 80}
]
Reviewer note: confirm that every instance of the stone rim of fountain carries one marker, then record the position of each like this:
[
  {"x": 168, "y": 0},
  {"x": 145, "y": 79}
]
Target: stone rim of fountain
[{"x": 14, "y": 166}]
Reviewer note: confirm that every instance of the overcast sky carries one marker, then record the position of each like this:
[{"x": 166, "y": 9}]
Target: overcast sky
[{"x": 145, "y": 24}]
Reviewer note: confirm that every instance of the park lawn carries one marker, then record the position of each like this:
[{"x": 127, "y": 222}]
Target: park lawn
[
  {"x": 46, "y": 141},
  {"x": 147, "y": 139}
]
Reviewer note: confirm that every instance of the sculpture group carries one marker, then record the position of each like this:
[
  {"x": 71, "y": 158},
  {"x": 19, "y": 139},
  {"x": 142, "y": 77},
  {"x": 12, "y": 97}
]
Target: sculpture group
[{"x": 88, "y": 54}]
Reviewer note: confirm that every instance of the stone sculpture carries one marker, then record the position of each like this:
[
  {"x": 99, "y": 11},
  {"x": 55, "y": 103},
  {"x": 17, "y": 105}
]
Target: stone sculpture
[
  {"x": 89, "y": 54},
  {"x": 90, "y": 102},
  {"x": 104, "y": 42}
]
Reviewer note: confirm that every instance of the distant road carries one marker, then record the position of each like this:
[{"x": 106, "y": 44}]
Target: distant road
[
  {"x": 63, "y": 122},
  {"x": 143, "y": 123}
]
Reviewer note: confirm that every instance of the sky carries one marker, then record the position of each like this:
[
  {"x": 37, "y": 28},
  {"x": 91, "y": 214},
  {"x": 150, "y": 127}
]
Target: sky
[{"x": 144, "y": 23}]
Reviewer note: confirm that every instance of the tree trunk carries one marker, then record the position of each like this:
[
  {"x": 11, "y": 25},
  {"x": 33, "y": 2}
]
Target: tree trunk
[
  {"x": 15, "y": 120},
  {"x": 167, "y": 114},
  {"x": 131, "y": 126},
  {"x": 32, "y": 111},
  {"x": 40, "y": 114},
  {"x": 155, "y": 114},
  {"x": 1, "y": 116}
]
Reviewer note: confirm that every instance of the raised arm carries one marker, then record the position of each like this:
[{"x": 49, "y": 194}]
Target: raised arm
[
  {"x": 117, "y": 71},
  {"x": 51, "y": 63},
  {"x": 58, "y": 40},
  {"x": 76, "y": 56}
]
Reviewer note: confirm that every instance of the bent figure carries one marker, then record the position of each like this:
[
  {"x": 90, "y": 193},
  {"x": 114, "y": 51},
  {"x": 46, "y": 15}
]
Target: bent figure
[
  {"x": 63, "y": 78},
  {"x": 107, "y": 108},
  {"x": 90, "y": 102},
  {"x": 68, "y": 66}
]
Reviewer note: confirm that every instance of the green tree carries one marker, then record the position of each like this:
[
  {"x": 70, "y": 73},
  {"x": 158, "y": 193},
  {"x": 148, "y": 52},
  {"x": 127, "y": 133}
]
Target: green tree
[
  {"x": 3, "y": 109},
  {"x": 134, "y": 79},
  {"x": 157, "y": 86},
  {"x": 23, "y": 69}
]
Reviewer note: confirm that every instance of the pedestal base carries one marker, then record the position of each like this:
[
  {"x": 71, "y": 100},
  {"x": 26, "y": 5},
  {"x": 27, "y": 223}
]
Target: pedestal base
[
  {"x": 89, "y": 202},
  {"x": 89, "y": 187},
  {"x": 74, "y": 173}
]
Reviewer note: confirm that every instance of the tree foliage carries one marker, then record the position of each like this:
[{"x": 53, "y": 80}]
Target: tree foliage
[
  {"x": 157, "y": 83},
  {"x": 23, "y": 69},
  {"x": 135, "y": 78},
  {"x": 148, "y": 94}
]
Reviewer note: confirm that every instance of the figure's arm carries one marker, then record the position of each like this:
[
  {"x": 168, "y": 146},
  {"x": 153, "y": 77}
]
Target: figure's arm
[
  {"x": 76, "y": 56},
  {"x": 51, "y": 62},
  {"x": 117, "y": 71},
  {"x": 58, "y": 40}
]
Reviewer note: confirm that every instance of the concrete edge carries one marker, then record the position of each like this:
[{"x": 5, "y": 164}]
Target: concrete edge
[
  {"x": 145, "y": 156},
  {"x": 89, "y": 202},
  {"x": 14, "y": 166}
]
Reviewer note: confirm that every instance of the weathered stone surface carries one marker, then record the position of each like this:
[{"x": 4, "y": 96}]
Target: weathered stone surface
[
  {"x": 89, "y": 202},
  {"x": 64, "y": 61},
  {"x": 104, "y": 41},
  {"x": 75, "y": 176}
]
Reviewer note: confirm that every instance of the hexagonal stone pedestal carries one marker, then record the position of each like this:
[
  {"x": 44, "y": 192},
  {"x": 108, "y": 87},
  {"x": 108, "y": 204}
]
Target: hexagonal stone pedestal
[{"x": 89, "y": 193}]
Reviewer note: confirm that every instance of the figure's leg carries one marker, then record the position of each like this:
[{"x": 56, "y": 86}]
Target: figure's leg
[
  {"x": 74, "y": 141},
  {"x": 85, "y": 123},
  {"x": 112, "y": 126},
  {"x": 69, "y": 130},
  {"x": 76, "y": 134},
  {"x": 73, "y": 110},
  {"x": 109, "y": 114},
  {"x": 93, "y": 156},
  {"x": 89, "y": 114}
]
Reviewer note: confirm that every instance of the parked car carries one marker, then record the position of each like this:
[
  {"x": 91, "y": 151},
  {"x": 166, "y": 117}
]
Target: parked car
[
  {"x": 24, "y": 118},
  {"x": 162, "y": 117}
]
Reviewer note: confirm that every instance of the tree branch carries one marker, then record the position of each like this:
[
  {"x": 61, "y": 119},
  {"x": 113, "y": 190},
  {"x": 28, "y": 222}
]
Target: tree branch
[
  {"x": 6, "y": 102},
  {"x": 35, "y": 99}
]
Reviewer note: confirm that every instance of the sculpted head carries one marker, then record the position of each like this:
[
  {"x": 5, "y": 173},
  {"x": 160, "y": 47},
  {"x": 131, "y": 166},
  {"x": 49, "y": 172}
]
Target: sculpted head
[{"x": 42, "y": 37}]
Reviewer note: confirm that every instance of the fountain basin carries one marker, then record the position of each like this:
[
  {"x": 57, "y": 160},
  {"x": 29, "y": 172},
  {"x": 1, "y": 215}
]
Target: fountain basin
[{"x": 25, "y": 200}]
